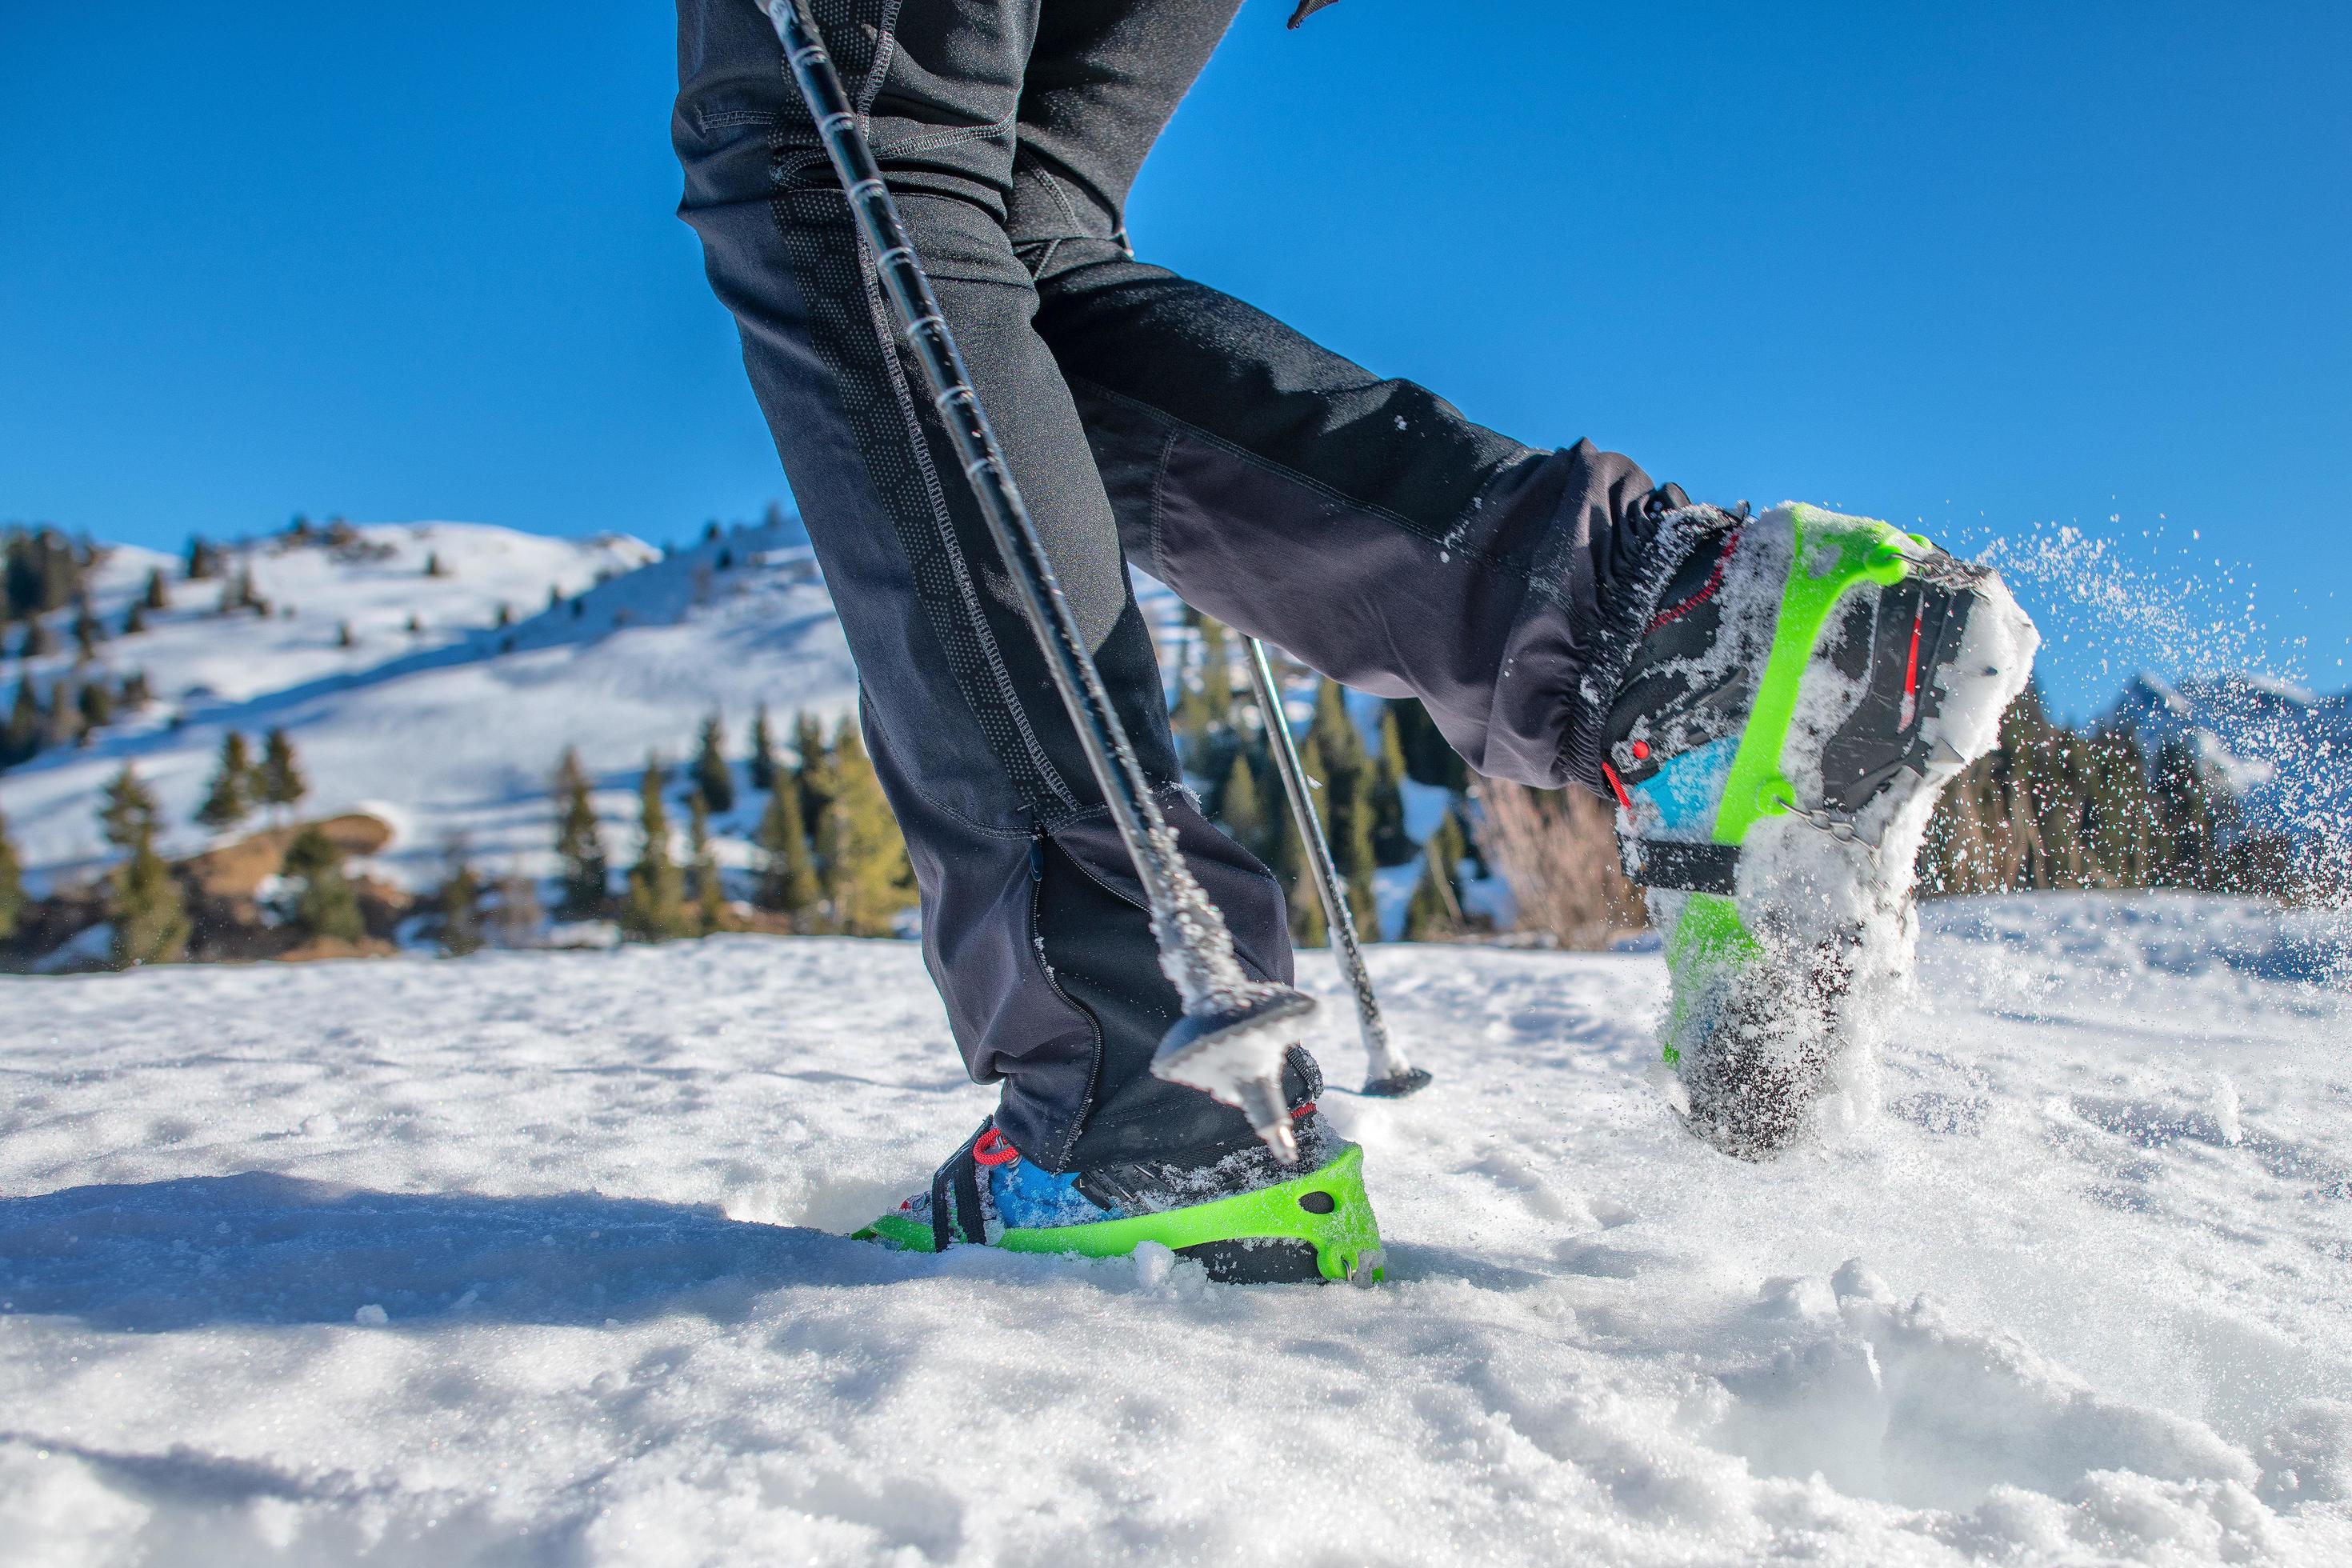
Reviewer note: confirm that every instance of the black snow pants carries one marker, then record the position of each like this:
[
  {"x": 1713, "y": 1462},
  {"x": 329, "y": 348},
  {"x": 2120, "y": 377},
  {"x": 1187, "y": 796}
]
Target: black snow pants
[{"x": 1362, "y": 524}]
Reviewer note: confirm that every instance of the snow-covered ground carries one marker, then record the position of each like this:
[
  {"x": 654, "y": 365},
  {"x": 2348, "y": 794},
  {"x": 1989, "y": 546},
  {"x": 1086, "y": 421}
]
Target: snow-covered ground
[{"x": 524, "y": 1259}]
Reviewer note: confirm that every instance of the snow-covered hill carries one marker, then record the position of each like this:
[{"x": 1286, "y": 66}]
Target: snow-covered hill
[
  {"x": 455, "y": 728},
  {"x": 525, "y": 1259},
  {"x": 2286, "y": 752}
]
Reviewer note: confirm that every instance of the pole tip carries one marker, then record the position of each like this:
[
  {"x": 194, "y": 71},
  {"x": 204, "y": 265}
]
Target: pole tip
[
  {"x": 1396, "y": 1086},
  {"x": 1234, "y": 1051}
]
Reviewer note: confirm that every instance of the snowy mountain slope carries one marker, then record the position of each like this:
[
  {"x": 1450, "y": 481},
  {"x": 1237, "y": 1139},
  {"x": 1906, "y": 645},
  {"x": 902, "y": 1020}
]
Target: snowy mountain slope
[
  {"x": 523, "y": 1259},
  {"x": 456, "y": 730},
  {"x": 2285, "y": 752},
  {"x": 374, "y": 584}
]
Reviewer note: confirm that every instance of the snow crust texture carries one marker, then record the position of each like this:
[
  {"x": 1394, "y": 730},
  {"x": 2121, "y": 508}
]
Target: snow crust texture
[{"x": 524, "y": 1259}]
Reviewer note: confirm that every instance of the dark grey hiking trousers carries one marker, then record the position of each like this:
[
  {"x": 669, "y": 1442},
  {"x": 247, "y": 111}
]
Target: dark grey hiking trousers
[{"x": 1360, "y": 523}]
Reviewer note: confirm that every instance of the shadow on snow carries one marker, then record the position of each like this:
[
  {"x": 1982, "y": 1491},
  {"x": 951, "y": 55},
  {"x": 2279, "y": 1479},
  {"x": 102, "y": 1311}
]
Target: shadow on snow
[{"x": 260, "y": 1248}]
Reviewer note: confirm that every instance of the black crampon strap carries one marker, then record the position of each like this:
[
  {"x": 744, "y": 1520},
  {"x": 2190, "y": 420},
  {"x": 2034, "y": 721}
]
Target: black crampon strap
[
  {"x": 955, "y": 1197},
  {"x": 1681, "y": 868}
]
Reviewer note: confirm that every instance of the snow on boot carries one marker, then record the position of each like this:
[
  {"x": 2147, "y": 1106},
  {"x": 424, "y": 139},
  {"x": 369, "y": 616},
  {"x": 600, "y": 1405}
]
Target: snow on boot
[
  {"x": 1806, "y": 688},
  {"x": 1248, "y": 1217}
]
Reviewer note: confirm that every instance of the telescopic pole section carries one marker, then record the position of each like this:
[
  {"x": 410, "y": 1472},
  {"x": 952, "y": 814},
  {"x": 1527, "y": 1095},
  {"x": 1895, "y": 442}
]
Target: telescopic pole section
[
  {"x": 1231, "y": 1040},
  {"x": 1387, "y": 1073}
]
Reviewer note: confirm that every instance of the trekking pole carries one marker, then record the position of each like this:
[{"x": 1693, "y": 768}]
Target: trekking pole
[
  {"x": 1231, "y": 1040},
  {"x": 1388, "y": 1074}
]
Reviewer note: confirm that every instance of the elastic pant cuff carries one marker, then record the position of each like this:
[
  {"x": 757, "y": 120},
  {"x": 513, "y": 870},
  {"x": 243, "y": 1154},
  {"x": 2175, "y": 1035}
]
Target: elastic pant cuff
[{"x": 1680, "y": 529}]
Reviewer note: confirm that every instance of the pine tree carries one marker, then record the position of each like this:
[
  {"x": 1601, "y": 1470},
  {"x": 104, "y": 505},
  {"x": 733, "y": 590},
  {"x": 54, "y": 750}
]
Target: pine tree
[
  {"x": 128, "y": 814},
  {"x": 1308, "y": 926},
  {"x": 203, "y": 559},
  {"x": 43, "y": 571},
  {"x": 1428, "y": 759},
  {"x": 149, "y": 911},
  {"x": 712, "y": 776},
  {"x": 460, "y": 898},
  {"x": 866, "y": 870},
  {"x": 1335, "y": 733},
  {"x": 1357, "y": 866},
  {"x": 1346, "y": 805},
  {"x": 1217, "y": 673},
  {"x": 764, "y": 750},
  {"x": 1190, "y": 723},
  {"x": 1240, "y": 810},
  {"x": 433, "y": 567},
  {"x": 134, "y": 619},
  {"x": 144, "y": 902},
  {"x": 579, "y": 843},
  {"x": 709, "y": 891},
  {"x": 1435, "y": 910},
  {"x": 788, "y": 885},
  {"x": 230, "y": 799},
  {"x": 156, "y": 596},
  {"x": 2053, "y": 807},
  {"x": 12, "y": 884},
  {"x": 816, "y": 769},
  {"x": 62, "y": 726},
  {"x": 2119, "y": 814},
  {"x": 2189, "y": 827},
  {"x": 22, "y": 736},
  {"x": 38, "y": 641},
  {"x": 327, "y": 909},
  {"x": 653, "y": 906},
  {"x": 1452, "y": 845},
  {"x": 1392, "y": 845},
  {"x": 87, "y": 633},
  {"x": 95, "y": 701},
  {"x": 281, "y": 782},
  {"x": 20, "y": 576}
]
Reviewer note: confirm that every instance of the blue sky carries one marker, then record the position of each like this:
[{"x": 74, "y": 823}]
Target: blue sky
[{"x": 1994, "y": 266}]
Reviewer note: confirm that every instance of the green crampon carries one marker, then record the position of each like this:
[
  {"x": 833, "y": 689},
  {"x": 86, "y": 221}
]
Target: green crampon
[
  {"x": 1326, "y": 1209},
  {"x": 1831, "y": 554}
]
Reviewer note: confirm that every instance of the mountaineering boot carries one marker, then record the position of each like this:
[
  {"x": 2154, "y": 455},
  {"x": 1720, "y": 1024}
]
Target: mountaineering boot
[
  {"x": 1806, "y": 687},
  {"x": 1246, "y": 1217}
]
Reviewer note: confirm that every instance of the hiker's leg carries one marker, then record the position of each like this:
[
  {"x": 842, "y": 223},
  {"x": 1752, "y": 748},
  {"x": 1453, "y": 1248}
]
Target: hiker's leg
[{"x": 1046, "y": 965}]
